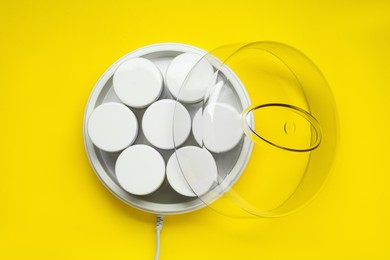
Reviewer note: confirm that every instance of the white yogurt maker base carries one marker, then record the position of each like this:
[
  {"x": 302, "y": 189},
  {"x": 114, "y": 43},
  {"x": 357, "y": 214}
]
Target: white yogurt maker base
[{"x": 164, "y": 200}]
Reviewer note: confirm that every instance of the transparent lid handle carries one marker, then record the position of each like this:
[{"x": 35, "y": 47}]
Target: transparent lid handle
[{"x": 284, "y": 126}]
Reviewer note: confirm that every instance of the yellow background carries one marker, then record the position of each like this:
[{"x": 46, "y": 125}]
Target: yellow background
[{"x": 52, "y": 206}]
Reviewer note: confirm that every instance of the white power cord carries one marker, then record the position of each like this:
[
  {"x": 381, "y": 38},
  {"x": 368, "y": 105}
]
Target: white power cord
[{"x": 159, "y": 225}]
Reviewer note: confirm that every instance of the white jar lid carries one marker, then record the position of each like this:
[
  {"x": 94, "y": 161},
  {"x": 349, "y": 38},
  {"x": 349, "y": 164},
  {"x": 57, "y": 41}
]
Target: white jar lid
[
  {"x": 218, "y": 128},
  {"x": 112, "y": 127},
  {"x": 201, "y": 77},
  {"x": 138, "y": 82},
  {"x": 140, "y": 169},
  {"x": 195, "y": 163},
  {"x": 157, "y": 124}
]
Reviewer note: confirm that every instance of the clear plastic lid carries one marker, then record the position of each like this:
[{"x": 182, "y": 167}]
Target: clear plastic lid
[{"x": 268, "y": 119}]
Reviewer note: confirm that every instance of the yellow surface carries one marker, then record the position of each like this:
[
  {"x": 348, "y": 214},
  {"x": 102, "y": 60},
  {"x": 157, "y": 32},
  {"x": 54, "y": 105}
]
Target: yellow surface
[{"x": 53, "y": 207}]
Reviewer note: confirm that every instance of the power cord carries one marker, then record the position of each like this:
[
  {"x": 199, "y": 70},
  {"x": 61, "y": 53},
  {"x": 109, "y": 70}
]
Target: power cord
[{"x": 159, "y": 225}]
